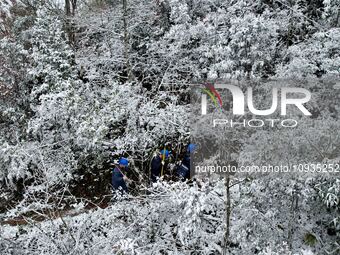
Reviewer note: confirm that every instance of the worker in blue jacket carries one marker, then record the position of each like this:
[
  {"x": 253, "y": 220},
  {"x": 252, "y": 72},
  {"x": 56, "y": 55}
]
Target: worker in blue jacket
[
  {"x": 158, "y": 164},
  {"x": 183, "y": 170},
  {"x": 119, "y": 178}
]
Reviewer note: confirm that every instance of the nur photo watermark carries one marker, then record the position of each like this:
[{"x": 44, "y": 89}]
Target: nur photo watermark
[{"x": 272, "y": 123}]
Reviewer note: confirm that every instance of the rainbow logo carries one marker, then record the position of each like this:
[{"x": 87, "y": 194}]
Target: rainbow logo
[{"x": 213, "y": 94}]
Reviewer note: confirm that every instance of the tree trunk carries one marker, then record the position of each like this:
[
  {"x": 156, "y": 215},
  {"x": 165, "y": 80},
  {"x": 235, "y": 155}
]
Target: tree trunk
[
  {"x": 67, "y": 8},
  {"x": 337, "y": 18},
  {"x": 292, "y": 221},
  {"x": 126, "y": 40},
  {"x": 74, "y": 6},
  {"x": 69, "y": 12},
  {"x": 227, "y": 203}
]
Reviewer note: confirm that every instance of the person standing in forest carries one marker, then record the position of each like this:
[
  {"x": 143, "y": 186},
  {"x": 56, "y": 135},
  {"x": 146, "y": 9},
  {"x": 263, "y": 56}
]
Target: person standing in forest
[
  {"x": 119, "y": 178},
  {"x": 158, "y": 164},
  {"x": 183, "y": 170}
]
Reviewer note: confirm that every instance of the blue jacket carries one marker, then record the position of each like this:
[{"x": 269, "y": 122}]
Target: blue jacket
[
  {"x": 118, "y": 180},
  {"x": 156, "y": 168},
  {"x": 183, "y": 170}
]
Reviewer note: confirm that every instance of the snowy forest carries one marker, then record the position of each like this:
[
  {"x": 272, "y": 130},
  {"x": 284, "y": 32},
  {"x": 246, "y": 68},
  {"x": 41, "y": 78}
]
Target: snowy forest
[{"x": 85, "y": 83}]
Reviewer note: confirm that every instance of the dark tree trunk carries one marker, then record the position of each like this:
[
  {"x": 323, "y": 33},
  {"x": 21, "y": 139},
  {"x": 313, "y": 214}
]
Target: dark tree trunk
[{"x": 70, "y": 9}]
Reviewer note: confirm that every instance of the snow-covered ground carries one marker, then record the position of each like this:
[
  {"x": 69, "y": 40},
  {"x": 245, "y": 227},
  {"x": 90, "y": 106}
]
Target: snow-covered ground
[{"x": 170, "y": 218}]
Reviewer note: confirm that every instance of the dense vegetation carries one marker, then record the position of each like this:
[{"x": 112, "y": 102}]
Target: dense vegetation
[{"x": 86, "y": 82}]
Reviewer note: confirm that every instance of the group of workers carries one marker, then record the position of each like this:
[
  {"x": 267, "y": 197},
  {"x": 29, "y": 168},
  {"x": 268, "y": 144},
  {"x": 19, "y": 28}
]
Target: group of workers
[{"x": 158, "y": 168}]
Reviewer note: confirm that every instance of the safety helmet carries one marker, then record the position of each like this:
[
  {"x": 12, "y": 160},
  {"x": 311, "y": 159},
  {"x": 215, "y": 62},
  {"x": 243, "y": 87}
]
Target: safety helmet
[
  {"x": 191, "y": 147},
  {"x": 165, "y": 152},
  {"x": 123, "y": 161}
]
